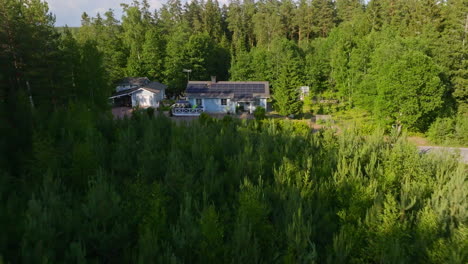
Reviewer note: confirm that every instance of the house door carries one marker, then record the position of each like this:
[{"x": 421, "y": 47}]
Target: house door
[{"x": 245, "y": 106}]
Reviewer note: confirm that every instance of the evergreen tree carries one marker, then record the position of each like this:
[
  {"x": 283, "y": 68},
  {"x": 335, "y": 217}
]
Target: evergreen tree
[
  {"x": 110, "y": 43},
  {"x": 199, "y": 52},
  {"x": 302, "y": 20},
  {"x": 153, "y": 55},
  {"x": 325, "y": 18},
  {"x": 267, "y": 23},
  {"x": 347, "y": 9},
  {"x": 212, "y": 20},
  {"x": 288, "y": 80},
  {"x": 193, "y": 15},
  {"x": 287, "y": 93},
  {"x": 175, "y": 60}
]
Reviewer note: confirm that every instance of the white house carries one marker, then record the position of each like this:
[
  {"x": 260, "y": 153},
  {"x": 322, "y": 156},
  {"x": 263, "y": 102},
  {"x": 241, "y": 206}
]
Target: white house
[
  {"x": 140, "y": 91},
  {"x": 225, "y": 97}
]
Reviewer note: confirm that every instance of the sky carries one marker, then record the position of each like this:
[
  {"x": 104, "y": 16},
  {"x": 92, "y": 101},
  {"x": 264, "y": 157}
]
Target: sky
[{"x": 68, "y": 12}]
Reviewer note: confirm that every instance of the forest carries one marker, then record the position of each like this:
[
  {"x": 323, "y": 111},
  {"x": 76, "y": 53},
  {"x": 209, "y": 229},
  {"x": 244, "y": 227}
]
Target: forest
[{"x": 78, "y": 186}]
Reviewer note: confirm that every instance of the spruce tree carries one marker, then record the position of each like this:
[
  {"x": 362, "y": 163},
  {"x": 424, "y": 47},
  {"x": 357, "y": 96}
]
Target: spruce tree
[{"x": 286, "y": 90}]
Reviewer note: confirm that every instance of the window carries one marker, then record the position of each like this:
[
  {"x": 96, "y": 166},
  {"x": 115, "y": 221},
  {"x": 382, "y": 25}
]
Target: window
[
  {"x": 223, "y": 101},
  {"x": 198, "y": 102}
]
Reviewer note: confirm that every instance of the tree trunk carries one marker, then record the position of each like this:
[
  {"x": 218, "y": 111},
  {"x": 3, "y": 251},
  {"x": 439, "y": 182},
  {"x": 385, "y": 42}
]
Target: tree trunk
[{"x": 31, "y": 100}]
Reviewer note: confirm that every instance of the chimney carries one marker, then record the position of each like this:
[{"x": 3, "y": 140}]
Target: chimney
[{"x": 213, "y": 79}]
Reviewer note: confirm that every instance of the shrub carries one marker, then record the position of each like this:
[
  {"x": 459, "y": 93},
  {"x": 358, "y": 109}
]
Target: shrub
[
  {"x": 451, "y": 131},
  {"x": 260, "y": 113},
  {"x": 461, "y": 130},
  {"x": 441, "y": 130},
  {"x": 150, "y": 111},
  {"x": 321, "y": 122},
  {"x": 205, "y": 118}
]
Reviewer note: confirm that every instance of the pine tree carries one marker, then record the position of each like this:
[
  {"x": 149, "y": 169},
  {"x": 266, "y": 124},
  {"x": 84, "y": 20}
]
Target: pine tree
[
  {"x": 193, "y": 15},
  {"x": 267, "y": 23},
  {"x": 303, "y": 21},
  {"x": 287, "y": 11},
  {"x": 325, "y": 18},
  {"x": 347, "y": 9},
  {"x": 212, "y": 21}
]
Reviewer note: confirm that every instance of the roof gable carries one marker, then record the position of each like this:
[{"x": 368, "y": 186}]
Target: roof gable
[{"x": 133, "y": 90}]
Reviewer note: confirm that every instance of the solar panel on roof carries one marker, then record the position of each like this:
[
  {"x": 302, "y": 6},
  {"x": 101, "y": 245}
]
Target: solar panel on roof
[{"x": 239, "y": 90}]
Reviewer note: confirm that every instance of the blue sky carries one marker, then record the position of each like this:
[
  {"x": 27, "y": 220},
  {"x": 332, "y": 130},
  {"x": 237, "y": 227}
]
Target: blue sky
[{"x": 68, "y": 12}]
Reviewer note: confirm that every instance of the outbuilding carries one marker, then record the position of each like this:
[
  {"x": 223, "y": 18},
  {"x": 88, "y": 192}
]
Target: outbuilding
[{"x": 138, "y": 92}]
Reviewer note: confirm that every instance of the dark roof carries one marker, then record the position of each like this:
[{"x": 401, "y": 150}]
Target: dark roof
[
  {"x": 130, "y": 91},
  {"x": 154, "y": 86},
  {"x": 138, "y": 81},
  {"x": 233, "y": 90},
  {"x": 124, "y": 92}
]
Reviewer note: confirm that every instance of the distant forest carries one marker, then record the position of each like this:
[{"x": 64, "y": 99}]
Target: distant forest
[
  {"x": 403, "y": 61},
  {"x": 78, "y": 186}
]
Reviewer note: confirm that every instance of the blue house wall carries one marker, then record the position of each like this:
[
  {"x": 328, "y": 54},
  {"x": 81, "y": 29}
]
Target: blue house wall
[{"x": 213, "y": 105}]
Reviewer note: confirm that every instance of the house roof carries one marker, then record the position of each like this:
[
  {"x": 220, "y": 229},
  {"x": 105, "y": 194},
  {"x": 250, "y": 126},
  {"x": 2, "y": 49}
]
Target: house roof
[
  {"x": 154, "y": 86},
  {"x": 232, "y": 90},
  {"x": 137, "y": 81},
  {"x": 133, "y": 90}
]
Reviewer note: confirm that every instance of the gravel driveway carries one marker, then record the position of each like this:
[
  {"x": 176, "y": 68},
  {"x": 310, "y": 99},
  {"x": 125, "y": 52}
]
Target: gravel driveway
[{"x": 463, "y": 151}]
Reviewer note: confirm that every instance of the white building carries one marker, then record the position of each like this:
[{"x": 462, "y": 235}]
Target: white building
[{"x": 138, "y": 92}]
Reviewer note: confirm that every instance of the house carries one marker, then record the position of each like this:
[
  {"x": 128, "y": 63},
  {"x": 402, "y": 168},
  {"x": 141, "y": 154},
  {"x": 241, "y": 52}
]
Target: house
[
  {"x": 140, "y": 91},
  {"x": 226, "y": 97}
]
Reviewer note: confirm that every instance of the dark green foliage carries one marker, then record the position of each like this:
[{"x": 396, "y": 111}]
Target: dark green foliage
[
  {"x": 77, "y": 186},
  {"x": 287, "y": 93},
  {"x": 409, "y": 89},
  {"x": 150, "y": 111},
  {"x": 145, "y": 189},
  {"x": 259, "y": 113},
  {"x": 366, "y": 54}
]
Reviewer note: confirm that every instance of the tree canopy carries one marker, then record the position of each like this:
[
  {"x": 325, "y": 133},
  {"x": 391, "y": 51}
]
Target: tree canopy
[{"x": 77, "y": 185}]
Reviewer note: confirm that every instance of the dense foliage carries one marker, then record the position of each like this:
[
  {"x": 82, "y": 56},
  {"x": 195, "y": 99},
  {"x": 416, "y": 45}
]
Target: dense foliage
[
  {"x": 403, "y": 61},
  {"x": 78, "y": 186},
  {"x": 150, "y": 190}
]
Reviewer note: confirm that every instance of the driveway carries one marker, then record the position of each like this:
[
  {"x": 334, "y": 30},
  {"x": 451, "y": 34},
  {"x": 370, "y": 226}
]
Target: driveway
[
  {"x": 463, "y": 151},
  {"x": 121, "y": 112}
]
